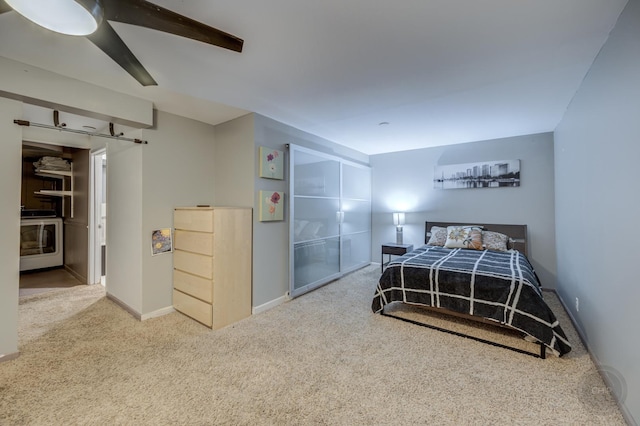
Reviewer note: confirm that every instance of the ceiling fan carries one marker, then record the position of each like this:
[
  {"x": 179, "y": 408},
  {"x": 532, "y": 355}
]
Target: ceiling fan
[{"x": 93, "y": 18}]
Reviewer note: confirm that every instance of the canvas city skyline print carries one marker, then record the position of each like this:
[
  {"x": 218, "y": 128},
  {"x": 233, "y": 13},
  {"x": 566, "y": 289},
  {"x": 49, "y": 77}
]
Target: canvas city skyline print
[{"x": 484, "y": 174}]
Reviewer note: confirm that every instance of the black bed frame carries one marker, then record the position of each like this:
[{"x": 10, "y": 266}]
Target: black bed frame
[{"x": 518, "y": 241}]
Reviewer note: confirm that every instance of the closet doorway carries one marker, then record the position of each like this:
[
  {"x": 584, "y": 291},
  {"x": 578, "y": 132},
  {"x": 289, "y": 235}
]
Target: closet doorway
[
  {"x": 77, "y": 196},
  {"x": 52, "y": 246}
]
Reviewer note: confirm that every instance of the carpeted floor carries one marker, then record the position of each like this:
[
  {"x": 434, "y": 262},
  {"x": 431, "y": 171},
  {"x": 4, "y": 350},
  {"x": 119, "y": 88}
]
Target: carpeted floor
[{"x": 321, "y": 359}]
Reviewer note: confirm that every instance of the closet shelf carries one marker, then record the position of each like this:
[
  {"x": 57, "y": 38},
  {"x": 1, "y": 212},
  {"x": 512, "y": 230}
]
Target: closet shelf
[
  {"x": 58, "y": 174},
  {"x": 55, "y": 193}
]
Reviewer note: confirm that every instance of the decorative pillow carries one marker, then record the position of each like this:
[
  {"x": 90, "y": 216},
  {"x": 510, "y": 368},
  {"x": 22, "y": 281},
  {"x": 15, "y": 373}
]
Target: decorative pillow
[
  {"x": 467, "y": 237},
  {"x": 495, "y": 241},
  {"x": 438, "y": 236}
]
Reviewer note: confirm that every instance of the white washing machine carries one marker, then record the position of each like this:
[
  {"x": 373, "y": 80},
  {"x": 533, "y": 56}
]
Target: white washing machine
[{"x": 41, "y": 243}]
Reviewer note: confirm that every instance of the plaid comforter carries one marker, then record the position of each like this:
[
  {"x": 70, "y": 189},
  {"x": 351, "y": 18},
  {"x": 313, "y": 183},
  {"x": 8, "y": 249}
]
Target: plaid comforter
[{"x": 499, "y": 286}]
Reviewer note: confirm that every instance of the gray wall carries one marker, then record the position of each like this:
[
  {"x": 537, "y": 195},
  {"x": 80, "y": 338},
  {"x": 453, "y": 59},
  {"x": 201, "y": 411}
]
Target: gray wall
[
  {"x": 271, "y": 239},
  {"x": 144, "y": 184},
  {"x": 124, "y": 223},
  {"x": 10, "y": 164},
  {"x": 403, "y": 181},
  {"x": 238, "y": 183},
  {"x": 234, "y": 162},
  {"x": 44, "y": 88},
  {"x": 598, "y": 201},
  {"x": 176, "y": 171}
]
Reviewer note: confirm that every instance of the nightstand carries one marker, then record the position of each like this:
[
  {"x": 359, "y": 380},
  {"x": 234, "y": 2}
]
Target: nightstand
[{"x": 393, "y": 249}]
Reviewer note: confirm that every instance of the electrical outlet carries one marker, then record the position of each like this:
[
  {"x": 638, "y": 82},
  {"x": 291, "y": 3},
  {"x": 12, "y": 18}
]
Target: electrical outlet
[{"x": 577, "y": 305}]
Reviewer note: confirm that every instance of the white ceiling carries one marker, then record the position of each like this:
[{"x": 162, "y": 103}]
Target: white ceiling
[{"x": 438, "y": 71}]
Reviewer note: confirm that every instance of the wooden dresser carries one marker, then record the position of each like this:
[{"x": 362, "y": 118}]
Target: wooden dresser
[{"x": 212, "y": 264}]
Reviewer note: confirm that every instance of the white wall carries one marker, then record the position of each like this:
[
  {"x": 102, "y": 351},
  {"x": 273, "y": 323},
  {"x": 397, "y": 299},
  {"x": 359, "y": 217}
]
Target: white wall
[
  {"x": 40, "y": 87},
  {"x": 403, "y": 181},
  {"x": 47, "y": 89},
  {"x": 176, "y": 170},
  {"x": 235, "y": 162},
  {"x": 238, "y": 183},
  {"x": 124, "y": 223},
  {"x": 10, "y": 164},
  {"x": 598, "y": 204},
  {"x": 144, "y": 185},
  {"x": 271, "y": 239}
]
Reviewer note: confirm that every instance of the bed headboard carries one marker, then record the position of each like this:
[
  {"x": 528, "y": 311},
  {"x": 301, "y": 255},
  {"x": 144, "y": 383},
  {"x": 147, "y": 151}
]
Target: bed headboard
[{"x": 517, "y": 233}]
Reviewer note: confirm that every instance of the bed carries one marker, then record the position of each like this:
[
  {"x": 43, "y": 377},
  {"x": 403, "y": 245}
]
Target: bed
[{"x": 477, "y": 271}]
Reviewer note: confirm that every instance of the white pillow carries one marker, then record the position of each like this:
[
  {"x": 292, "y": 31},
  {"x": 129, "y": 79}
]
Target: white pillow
[
  {"x": 467, "y": 237},
  {"x": 438, "y": 236},
  {"x": 495, "y": 241}
]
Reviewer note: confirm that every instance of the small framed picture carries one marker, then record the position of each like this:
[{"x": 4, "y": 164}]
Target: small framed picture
[
  {"x": 271, "y": 163},
  {"x": 271, "y": 205},
  {"x": 161, "y": 241}
]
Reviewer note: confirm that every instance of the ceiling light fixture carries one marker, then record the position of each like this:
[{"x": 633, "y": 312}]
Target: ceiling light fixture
[{"x": 72, "y": 17}]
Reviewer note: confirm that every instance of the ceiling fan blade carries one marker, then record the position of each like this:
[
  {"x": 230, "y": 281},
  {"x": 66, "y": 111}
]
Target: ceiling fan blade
[
  {"x": 148, "y": 15},
  {"x": 4, "y": 7},
  {"x": 110, "y": 42}
]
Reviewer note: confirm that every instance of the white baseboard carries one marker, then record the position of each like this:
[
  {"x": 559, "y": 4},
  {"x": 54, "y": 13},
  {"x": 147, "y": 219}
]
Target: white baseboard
[
  {"x": 157, "y": 313},
  {"x": 9, "y": 357},
  {"x": 575, "y": 324},
  {"x": 79, "y": 277},
  {"x": 270, "y": 305},
  {"x": 124, "y": 306},
  {"x": 137, "y": 315},
  {"x": 582, "y": 336}
]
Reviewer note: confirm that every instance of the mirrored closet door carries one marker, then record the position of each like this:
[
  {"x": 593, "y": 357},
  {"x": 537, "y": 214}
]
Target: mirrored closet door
[{"x": 330, "y": 212}]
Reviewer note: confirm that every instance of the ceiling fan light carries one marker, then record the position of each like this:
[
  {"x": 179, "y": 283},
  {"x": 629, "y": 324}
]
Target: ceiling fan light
[{"x": 72, "y": 17}]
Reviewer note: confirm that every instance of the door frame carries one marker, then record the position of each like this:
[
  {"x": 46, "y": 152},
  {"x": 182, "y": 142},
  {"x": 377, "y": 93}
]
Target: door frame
[{"x": 95, "y": 196}]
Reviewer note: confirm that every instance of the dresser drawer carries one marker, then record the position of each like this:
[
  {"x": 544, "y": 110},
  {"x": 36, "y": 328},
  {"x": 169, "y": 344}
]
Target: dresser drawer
[
  {"x": 190, "y": 306},
  {"x": 197, "y": 264},
  {"x": 193, "y": 285},
  {"x": 197, "y": 242},
  {"x": 193, "y": 220}
]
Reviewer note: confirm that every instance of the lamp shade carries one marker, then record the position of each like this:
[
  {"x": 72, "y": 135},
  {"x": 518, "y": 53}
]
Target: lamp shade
[
  {"x": 398, "y": 219},
  {"x": 72, "y": 17}
]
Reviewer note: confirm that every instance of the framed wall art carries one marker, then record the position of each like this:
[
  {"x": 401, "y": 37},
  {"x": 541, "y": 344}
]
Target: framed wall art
[
  {"x": 271, "y": 205},
  {"x": 485, "y": 174},
  {"x": 271, "y": 163}
]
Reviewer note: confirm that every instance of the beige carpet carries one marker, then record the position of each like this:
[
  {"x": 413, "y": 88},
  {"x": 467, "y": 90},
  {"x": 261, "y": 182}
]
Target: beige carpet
[{"x": 321, "y": 359}]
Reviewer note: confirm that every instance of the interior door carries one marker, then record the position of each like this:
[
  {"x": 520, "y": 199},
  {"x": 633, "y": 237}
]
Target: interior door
[{"x": 315, "y": 221}]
